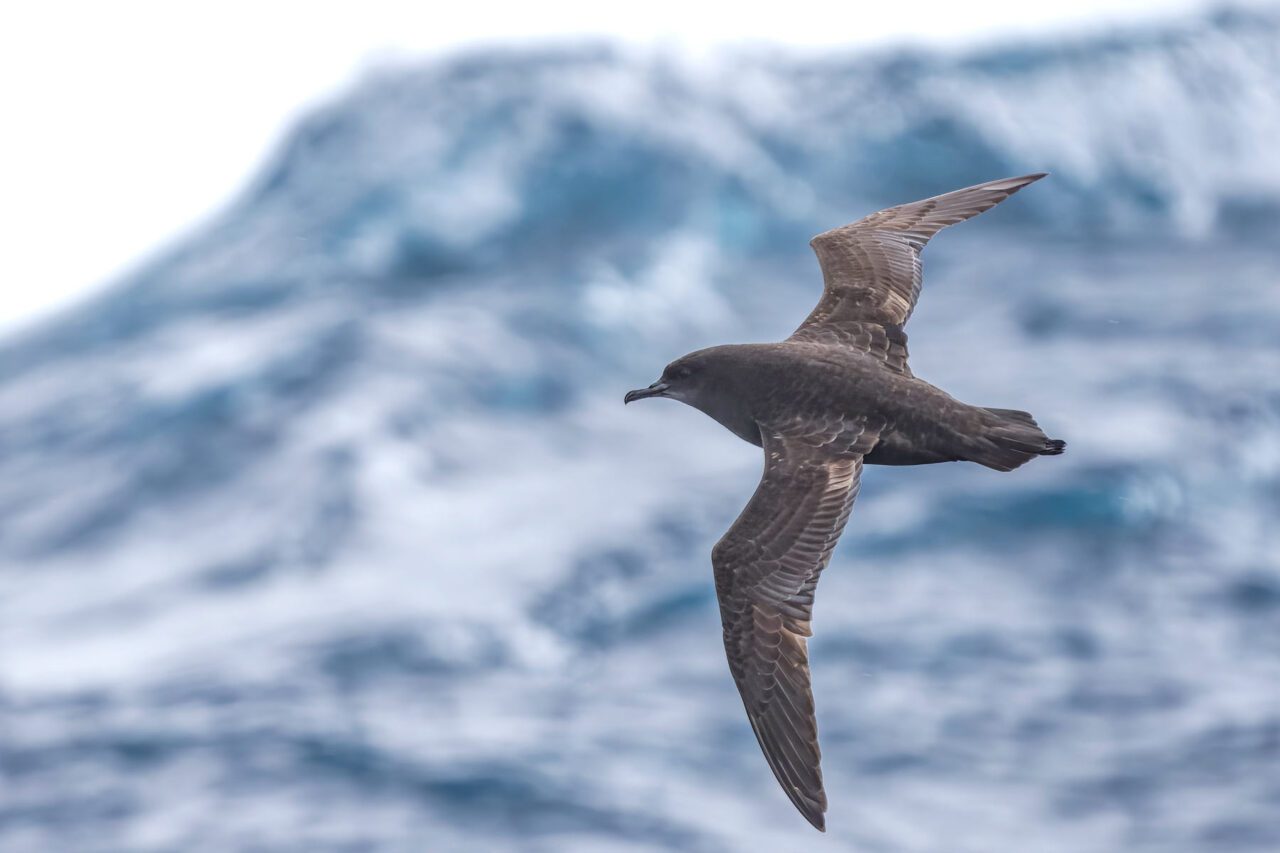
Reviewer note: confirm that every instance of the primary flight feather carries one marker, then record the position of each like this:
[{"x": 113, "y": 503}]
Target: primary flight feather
[{"x": 834, "y": 396}]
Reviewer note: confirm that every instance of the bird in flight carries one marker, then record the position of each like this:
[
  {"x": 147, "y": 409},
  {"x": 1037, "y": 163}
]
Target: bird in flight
[{"x": 834, "y": 396}]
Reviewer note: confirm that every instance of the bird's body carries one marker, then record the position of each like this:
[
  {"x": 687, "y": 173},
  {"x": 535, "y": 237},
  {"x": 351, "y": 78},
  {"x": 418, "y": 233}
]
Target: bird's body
[
  {"x": 834, "y": 396},
  {"x": 793, "y": 387}
]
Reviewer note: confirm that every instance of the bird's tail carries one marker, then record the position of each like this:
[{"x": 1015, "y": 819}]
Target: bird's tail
[{"x": 1010, "y": 439}]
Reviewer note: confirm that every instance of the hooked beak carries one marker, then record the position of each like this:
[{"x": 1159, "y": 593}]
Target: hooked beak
[{"x": 657, "y": 389}]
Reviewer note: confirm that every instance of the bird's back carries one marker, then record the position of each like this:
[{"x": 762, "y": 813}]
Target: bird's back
[
  {"x": 793, "y": 379},
  {"x": 832, "y": 393}
]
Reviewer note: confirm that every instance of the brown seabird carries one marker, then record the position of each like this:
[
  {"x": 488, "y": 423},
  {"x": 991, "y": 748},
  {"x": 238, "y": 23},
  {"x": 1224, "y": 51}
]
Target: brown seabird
[{"x": 836, "y": 394}]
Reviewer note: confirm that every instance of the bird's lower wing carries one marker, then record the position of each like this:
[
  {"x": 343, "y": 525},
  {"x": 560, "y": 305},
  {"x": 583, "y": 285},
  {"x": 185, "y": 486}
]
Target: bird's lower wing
[{"x": 766, "y": 570}]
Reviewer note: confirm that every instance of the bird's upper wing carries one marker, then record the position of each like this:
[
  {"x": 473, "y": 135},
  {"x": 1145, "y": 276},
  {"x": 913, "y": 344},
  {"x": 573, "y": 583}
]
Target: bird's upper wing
[
  {"x": 871, "y": 269},
  {"x": 766, "y": 570}
]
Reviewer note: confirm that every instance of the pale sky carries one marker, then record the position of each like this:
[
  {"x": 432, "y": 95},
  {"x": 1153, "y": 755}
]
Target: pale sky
[{"x": 125, "y": 124}]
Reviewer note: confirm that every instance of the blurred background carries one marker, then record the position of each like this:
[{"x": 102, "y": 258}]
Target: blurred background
[{"x": 323, "y": 527}]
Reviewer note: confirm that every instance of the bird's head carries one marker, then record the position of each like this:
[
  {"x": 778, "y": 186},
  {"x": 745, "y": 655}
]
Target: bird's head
[{"x": 682, "y": 380}]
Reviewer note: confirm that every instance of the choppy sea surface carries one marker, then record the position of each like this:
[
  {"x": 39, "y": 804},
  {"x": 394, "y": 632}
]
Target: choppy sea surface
[{"x": 328, "y": 530}]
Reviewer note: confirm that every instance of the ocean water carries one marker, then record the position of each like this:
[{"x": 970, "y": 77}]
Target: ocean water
[{"x": 328, "y": 530}]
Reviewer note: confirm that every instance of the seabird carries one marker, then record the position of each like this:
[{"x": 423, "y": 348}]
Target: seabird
[{"x": 835, "y": 395}]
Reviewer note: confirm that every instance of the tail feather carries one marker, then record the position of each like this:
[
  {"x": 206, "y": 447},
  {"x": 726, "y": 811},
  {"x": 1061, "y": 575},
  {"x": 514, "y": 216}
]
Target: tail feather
[
  {"x": 1016, "y": 415},
  {"x": 1012, "y": 438}
]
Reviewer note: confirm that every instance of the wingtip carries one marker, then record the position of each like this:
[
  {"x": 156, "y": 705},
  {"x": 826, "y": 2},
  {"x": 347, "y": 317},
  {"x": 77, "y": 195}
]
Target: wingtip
[
  {"x": 1012, "y": 185},
  {"x": 814, "y": 811}
]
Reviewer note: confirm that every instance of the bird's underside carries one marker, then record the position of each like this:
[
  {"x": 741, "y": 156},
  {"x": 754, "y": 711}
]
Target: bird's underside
[{"x": 834, "y": 396}]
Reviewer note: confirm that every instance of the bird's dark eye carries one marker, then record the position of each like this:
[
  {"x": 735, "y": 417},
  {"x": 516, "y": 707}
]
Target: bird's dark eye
[{"x": 680, "y": 372}]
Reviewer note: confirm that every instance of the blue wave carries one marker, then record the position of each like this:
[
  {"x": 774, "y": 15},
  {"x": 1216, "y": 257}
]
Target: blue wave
[{"x": 328, "y": 530}]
